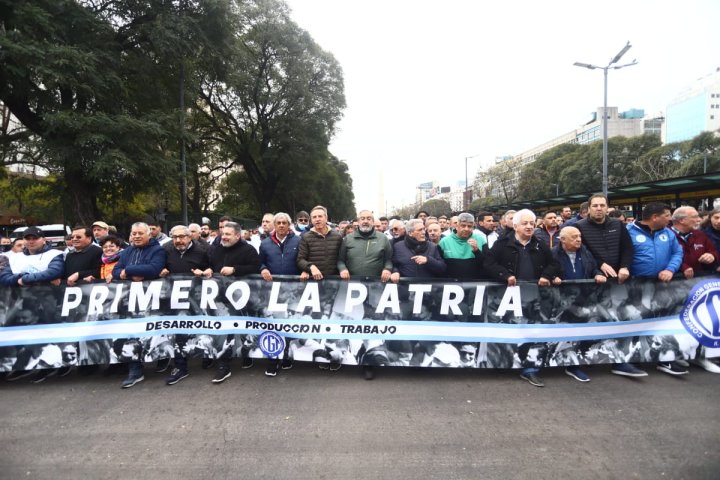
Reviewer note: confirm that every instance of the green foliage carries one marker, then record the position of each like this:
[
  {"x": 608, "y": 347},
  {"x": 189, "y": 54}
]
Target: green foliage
[
  {"x": 96, "y": 85},
  {"x": 31, "y": 197},
  {"x": 436, "y": 207}
]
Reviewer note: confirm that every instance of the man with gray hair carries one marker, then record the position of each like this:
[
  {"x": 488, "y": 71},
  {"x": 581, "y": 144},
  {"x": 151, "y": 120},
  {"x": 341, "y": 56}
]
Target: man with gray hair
[
  {"x": 522, "y": 257},
  {"x": 700, "y": 257},
  {"x": 185, "y": 256},
  {"x": 463, "y": 250},
  {"x": 144, "y": 259},
  {"x": 196, "y": 235},
  {"x": 396, "y": 230},
  {"x": 278, "y": 256}
]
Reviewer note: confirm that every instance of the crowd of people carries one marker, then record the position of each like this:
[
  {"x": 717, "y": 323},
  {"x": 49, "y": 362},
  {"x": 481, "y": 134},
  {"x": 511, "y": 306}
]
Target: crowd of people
[{"x": 597, "y": 242}]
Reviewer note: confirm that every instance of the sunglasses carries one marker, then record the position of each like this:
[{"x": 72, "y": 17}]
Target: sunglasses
[{"x": 302, "y": 220}]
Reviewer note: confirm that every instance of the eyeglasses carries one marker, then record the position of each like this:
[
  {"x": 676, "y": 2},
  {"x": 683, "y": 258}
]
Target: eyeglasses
[
  {"x": 303, "y": 220},
  {"x": 177, "y": 237}
]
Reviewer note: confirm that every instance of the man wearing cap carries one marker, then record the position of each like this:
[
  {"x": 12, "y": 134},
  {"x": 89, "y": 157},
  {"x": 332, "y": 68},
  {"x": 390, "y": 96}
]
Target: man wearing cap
[
  {"x": 100, "y": 229},
  {"x": 38, "y": 263}
]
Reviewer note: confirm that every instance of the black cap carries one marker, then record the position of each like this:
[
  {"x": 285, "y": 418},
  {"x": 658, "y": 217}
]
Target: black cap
[{"x": 33, "y": 232}]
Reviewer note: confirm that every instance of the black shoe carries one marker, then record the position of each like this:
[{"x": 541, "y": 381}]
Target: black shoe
[
  {"x": 64, "y": 371},
  {"x": 208, "y": 363},
  {"x": 368, "y": 372},
  {"x": 18, "y": 374},
  {"x": 221, "y": 375},
  {"x": 162, "y": 365},
  {"x": 532, "y": 379},
  {"x": 44, "y": 374},
  {"x": 132, "y": 380},
  {"x": 175, "y": 376},
  {"x": 247, "y": 362},
  {"x": 272, "y": 369},
  {"x": 671, "y": 368},
  {"x": 286, "y": 364}
]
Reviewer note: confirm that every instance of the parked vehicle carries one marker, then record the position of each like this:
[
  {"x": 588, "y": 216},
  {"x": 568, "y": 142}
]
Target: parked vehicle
[{"x": 54, "y": 234}]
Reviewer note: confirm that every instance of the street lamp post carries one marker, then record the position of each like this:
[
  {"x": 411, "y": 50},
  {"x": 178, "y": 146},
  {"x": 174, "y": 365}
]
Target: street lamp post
[
  {"x": 466, "y": 202},
  {"x": 605, "y": 137}
]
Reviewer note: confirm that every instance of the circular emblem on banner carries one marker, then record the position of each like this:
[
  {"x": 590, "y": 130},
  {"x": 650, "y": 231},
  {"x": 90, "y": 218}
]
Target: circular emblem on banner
[
  {"x": 271, "y": 344},
  {"x": 701, "y": 314},
  {"x": 640, "y": 238},
  {"x": 663, "y": 237}
]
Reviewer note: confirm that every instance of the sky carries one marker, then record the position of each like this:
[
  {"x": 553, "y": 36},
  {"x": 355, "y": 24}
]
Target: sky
[{"x": 430, "y": 83}]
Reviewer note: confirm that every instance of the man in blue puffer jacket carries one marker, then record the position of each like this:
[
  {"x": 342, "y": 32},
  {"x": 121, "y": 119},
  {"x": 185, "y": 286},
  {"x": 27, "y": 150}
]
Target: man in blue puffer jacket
[
  {"x": 658, "y": 254},
  {"x": 278, "y": 256},
  {"x": 143, "y": 260}
]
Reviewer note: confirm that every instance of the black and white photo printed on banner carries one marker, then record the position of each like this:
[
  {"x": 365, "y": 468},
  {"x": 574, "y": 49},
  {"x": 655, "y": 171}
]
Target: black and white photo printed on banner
[{"x": 419, "y": 323}]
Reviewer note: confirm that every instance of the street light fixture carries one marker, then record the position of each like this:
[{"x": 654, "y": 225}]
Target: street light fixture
[
  {"x": 467, "y": 202},
  {"x": 605, "y": 138}
]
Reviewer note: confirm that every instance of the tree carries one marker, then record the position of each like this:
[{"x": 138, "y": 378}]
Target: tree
[
  {"x": 436, "y": 207},
  {"x": 275, "y": 110},
  {"x": 91, "y": 82}
]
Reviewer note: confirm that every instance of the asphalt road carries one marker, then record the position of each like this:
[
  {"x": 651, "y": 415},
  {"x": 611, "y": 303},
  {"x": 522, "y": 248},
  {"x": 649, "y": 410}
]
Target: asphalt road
[{"x": 405, "y": 424}]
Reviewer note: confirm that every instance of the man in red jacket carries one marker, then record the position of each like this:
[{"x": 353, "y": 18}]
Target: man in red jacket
[
  {"x": 699, "y": 253},
  {"x": 699, "y": 258}
]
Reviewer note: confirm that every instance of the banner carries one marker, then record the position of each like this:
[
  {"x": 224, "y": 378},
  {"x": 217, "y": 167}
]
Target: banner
[{"x": 413, "y": 323}]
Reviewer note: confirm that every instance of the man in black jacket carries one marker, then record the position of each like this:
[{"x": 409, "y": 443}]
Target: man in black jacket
[
  {"x": 233, "y": 257},
  {"x": 83, "y": 263},
  {"x": 522, "y": 257},
  {"x": 609, "y": 242},
  {"x": 185, "y": 256}
]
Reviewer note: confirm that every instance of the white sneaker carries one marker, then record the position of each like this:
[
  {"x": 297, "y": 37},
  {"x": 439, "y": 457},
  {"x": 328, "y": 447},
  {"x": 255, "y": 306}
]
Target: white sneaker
[{"x": 707, "y": 365}]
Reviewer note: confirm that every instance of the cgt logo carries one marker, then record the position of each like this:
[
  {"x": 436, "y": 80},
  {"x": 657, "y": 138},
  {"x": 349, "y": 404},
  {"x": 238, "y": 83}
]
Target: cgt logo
[
  {"x": 271, "y": 344},
  {"x": 701, "y": 315}
]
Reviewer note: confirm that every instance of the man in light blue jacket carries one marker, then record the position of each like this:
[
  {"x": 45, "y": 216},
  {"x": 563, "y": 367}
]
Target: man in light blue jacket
[{"x": 657, "y": 254}]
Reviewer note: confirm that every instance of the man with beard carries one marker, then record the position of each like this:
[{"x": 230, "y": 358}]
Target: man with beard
[
  {"x": 217, "y": 241},
  {"x": 144, "y": 259},
  {"x": 463, "y": 250},
  {"x": 522, "y": 257},
  {"x": 366, "y": 253},
  {"x": 205, "y": 232},
  {"x": 234, "y": 257}
]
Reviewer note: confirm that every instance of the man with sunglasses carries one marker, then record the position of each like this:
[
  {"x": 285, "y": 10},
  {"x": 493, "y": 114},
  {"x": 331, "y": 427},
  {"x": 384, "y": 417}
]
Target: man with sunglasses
[{"x": 302, "y": 222}]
